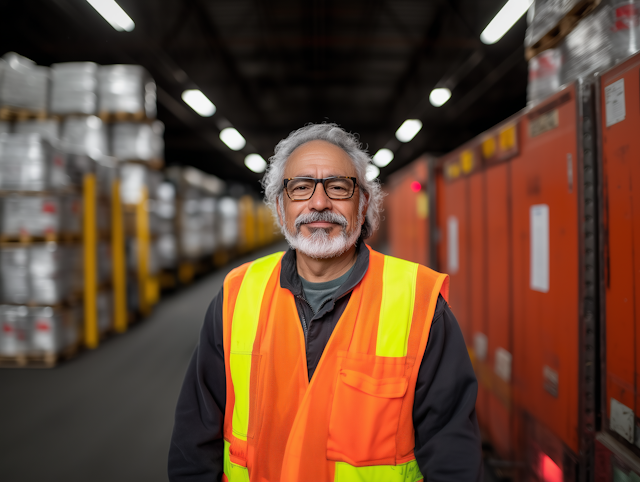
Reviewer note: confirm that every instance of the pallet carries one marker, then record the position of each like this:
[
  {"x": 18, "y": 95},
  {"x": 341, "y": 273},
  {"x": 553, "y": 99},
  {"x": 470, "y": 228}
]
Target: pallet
[
  {"x": 110, "y": 117},
  {"x": 155, "y": 164},
  {"x": 26, "y": 238},
  {"x": 563, "y": 28},
  {"x": 8, "y": 113},
  {"x": 44, "y": 360},
  {"x": 17, "y": 361}
]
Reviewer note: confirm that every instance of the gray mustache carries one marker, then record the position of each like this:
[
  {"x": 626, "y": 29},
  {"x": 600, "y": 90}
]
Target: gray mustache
[{"x": 324, "y": 216}]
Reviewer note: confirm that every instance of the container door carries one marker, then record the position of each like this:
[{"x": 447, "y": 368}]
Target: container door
[
  {"x": 545, "y": 234},
  {"x": 620, "y": 108}
]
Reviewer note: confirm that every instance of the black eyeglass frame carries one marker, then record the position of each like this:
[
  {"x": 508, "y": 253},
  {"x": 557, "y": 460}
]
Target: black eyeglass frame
[{"x": 323, "y": 180}]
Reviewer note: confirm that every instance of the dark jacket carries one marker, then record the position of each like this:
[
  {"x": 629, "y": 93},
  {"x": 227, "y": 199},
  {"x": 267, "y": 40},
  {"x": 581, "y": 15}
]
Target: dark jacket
[{"x": 446, "y": 429}]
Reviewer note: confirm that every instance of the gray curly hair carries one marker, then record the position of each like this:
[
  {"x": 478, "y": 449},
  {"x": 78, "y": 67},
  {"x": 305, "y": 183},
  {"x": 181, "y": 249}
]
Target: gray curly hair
[{"x": 272, "y": 180}]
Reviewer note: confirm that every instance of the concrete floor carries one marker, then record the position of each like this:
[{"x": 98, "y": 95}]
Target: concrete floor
[{"x": 107, "y": 415}]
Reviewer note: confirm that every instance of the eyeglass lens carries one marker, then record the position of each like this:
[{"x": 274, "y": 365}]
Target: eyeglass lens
[{"x": 302, "y": 188}]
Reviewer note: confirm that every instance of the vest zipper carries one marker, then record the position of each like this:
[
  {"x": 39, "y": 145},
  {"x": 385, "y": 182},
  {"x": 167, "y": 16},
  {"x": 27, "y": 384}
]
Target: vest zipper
[{"x": 305, "y": 328}]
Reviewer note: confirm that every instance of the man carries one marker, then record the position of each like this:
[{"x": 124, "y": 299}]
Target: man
[{"x": 331, "y": 362}]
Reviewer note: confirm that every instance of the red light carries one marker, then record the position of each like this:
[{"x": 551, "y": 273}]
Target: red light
[
  {"x": 550, "y": 471},
  {"x": 415, "y": 186}
]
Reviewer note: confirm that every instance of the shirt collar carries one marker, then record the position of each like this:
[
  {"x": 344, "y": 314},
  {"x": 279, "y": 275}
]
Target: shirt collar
[{"x": 290, "y": 279}]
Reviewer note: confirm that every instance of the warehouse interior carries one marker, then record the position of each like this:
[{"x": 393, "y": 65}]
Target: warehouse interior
[{"x": 133, "y": 138}]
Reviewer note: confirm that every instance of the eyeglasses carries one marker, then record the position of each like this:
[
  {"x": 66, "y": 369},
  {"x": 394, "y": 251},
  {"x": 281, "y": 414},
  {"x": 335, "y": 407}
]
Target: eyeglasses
[{"x": 336, "y": 188}]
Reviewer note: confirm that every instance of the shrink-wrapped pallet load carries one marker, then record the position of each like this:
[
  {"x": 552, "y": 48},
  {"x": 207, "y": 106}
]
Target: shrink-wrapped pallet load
[
  {"x": 50, "y": 277},
  {"x": 208, "y": 228},
  {"x": 32, "y": 217},
  {"x": 24, "y": 85},
  {"x": 138, "y": 141},
  {"x": 14, "y": 274},
  {"x": 625, "y": 28},
  {"x": 228, "y": 226},
  {"x": 14, "y": 330},
  {"x": 167, "y": 251},
  {"x": 126, "y": 89},
  {"x": 74, "y": 87},
  {"x": 587, "y": 48},
  {"x": 85, "y": 135},
  {"x": 48, "y": 129},
  {"x": 51, "y": 330},
  {"x": 30, "y": 163},
  {"x": 544, "y": 75}
]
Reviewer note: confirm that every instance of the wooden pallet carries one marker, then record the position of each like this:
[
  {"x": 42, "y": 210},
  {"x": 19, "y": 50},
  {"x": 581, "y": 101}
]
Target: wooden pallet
[
  {"x": 139, "y": 116},
  {"x": 8, "y": 113},
  {"x": 563, "y": 28},
  {"x": 18, "y": 361},
  {"x": 26, "y": 238},
  {"x": 155, "y": 164},
  {"x": 44, "y": 360}
]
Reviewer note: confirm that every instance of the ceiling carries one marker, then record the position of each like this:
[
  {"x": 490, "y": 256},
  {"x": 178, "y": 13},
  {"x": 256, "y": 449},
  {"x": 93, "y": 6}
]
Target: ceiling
[{"x": 273, "y": 66}]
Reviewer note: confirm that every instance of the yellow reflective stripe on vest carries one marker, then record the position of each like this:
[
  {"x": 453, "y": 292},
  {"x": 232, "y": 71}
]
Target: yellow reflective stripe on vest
[
  {"x": 234, "y": 472},
  {"x": 244, "y": 325},
  {"x": 408, "y": 472},
  {"x": 396, "y": 311}
]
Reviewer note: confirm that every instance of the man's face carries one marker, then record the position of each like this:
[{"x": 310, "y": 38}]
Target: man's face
[{"x": 326, "y": 237}]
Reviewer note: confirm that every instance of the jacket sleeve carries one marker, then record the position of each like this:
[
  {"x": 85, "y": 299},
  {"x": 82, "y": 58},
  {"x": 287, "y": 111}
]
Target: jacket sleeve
[
  {"x": 196, "y": 450},
  {"x": 448, "y": 445}
]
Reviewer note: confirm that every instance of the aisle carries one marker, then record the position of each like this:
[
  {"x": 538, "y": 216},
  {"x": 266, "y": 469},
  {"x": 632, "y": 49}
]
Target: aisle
[{"x": 106, "y": 416}]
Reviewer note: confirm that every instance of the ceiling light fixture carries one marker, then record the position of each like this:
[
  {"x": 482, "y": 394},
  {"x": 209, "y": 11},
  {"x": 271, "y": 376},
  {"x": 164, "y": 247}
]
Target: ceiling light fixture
[
  {"x": 255, "y": 162},
  {"x": 408, "y": 130},
  {"x": 372, "y": 172},
  {"x": 232, "y": 138},
  {"x": 113, "y": 13},
  {"x": 439, "y": 96},
  {"x": 199, "y": 102},
  {"x": 383, "y": 157},
  {"x": 504, "y": 20}
]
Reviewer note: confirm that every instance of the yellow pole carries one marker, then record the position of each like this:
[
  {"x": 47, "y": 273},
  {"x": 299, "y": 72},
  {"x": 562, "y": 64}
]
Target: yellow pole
[
  {"x": 119, "y": 263},
  {"x": 142, "y": 243},
  {"x": 89, "y": 234}
]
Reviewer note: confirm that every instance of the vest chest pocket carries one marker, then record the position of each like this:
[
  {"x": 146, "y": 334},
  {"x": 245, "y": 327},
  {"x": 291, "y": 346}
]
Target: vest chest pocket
[{"x": 365, "y": 417}]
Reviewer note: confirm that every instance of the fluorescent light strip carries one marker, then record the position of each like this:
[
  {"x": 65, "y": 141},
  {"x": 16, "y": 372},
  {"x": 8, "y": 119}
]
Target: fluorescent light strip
[
  {"x": 504, "y": 20},
  {"x": 232, "y": 138},
  {"x": 199, "y": 102},
  {"x": 383, "y": 157},
  {"x": 439, "y": 97},
  {"x": 255, "y": 162},
  {"x": 113, "y": 13},
  {"x": 408, "y": 130}
]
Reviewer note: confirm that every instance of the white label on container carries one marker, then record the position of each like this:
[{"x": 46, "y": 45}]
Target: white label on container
[
  {"x": 615, "y": 110},
  {"x": 480, "y": 344},
  {"x": 621, "y": 420},
  {"x": 502, "y": 365},
  {"x": 452, "y": 245},
  {"x": 539, "y": 256}
]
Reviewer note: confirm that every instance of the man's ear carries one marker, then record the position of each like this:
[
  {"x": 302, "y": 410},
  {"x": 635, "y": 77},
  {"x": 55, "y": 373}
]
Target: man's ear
[{"x": 279, "y": 209}]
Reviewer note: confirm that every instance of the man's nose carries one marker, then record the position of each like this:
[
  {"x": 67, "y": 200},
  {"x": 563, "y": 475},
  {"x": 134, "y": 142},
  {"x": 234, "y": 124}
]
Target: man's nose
[{"x": 320, "y": 201}]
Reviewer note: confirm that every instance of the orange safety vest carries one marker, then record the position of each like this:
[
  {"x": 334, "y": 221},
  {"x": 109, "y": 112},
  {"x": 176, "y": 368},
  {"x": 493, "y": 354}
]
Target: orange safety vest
[{"x": 353, "y": 420}]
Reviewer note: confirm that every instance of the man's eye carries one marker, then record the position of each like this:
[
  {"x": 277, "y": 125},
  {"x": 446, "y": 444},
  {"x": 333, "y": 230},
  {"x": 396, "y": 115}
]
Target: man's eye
[{"x": 300, "y": 188}]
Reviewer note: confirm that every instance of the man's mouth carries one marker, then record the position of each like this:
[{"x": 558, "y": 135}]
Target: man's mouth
[{"x": 321, "y": 224}]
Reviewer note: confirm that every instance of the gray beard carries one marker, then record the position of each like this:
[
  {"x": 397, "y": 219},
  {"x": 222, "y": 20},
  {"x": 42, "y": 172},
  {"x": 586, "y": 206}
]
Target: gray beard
[{"x": 320, "y": 244}]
